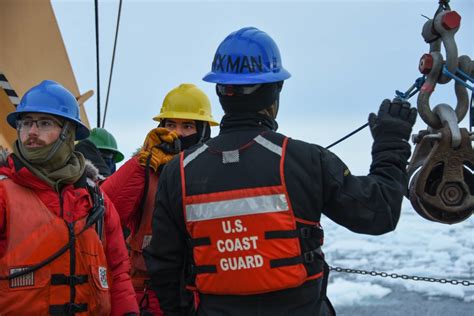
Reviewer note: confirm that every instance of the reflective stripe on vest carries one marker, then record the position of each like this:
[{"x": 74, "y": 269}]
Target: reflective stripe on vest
[
  {"x": 235, "y": 207},
  {"x": 194, "y": 154},
  {"x": 244, "y": 240},
  {"x": 35, "y": 235}
]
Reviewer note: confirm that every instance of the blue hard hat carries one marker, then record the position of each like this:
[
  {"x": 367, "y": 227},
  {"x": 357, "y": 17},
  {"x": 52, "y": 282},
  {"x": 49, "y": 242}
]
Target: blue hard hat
[
  {"x": 247, "y": 56},
  {"x": 51, "y": 98}
]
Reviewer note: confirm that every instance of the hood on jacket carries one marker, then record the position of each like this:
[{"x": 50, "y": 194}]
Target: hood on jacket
[
  {"x": 91, "y": 172},
  {"x": 3, "y": 157}
]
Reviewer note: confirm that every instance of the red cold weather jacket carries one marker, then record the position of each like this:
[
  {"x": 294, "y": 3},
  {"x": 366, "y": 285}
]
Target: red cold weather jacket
[
  {"x": 76, "y": 203},
  {"x": 125, "y": 188}
]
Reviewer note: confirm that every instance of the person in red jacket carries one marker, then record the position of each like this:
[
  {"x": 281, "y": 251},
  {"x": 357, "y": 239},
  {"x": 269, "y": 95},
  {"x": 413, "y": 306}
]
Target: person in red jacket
[
  {"x": 185, "y": 115},
  {"x": 62, "y": 250}
]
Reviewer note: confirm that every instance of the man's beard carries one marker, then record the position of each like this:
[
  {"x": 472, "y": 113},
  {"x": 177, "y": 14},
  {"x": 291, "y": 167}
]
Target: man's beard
[{"x": 34, "y": 141}]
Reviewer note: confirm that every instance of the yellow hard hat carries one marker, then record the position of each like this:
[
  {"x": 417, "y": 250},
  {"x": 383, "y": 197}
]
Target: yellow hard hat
[{"x": 186, "y": 102}]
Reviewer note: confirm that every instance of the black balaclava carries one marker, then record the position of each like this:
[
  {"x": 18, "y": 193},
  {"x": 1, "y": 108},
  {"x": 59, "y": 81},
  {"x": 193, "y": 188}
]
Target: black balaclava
[
  {"x": 203, "y": 134},
  {"x": 264, "y": 97},
  {"x": 110, "y": 162}
]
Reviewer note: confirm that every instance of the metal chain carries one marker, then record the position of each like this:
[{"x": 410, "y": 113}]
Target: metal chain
[{"x": 401, "y": 276}]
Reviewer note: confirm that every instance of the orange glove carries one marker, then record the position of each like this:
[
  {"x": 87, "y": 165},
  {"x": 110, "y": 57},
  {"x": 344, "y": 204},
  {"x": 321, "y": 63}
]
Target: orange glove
[{"x": 153, "y": 146}]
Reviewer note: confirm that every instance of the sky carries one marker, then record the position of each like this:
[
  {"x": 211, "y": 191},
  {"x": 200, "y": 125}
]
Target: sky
[{"x": 345, "y": 57}]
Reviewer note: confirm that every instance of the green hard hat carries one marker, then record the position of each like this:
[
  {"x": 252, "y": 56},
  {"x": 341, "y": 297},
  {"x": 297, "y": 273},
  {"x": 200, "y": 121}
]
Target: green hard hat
[{"x": 104, "y": 140}]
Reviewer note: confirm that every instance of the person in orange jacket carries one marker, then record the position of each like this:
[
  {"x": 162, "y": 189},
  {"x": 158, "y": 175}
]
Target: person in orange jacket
[
  {"x": 185, "y": 119},
  {"x": 62, "y": 250}
]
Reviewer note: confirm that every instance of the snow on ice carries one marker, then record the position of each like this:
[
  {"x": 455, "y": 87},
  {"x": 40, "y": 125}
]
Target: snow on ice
[{"x": 417, "y": 247}]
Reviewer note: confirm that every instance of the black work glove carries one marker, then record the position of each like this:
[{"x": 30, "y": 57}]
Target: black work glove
[{"x": 394, "y": 120}]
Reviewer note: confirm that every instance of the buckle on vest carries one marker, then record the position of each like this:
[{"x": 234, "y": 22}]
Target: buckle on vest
[
  {"x": 68, "y": 309},
  {"x": 72, "y": 280},
  {"x": 305, "y": 232},
  {"x": 313, "y": 231},
  {"x": 309, "y": 256},
  {"x": 77, "y": 279},
  {"x": 72, "y": 308},
  {"x": 312, "y": 255}
]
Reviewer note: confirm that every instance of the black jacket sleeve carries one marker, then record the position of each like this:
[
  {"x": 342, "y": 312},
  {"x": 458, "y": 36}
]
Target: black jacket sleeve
[
  {"x": 164, "y": 256},
  {"x": 366, "y": 204}
]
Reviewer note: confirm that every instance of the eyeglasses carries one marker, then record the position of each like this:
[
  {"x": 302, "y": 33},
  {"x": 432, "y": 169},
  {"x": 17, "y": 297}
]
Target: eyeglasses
[
  {"x": 43, "y": 125},
  {"x": 231, "y": 90}
]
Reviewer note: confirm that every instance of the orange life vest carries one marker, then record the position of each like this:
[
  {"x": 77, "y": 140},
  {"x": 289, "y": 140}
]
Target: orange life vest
[
  {"x": 77, "y": 281},
  {"x": 245, "y": 241},
  {"x": 142, "y": 237}
]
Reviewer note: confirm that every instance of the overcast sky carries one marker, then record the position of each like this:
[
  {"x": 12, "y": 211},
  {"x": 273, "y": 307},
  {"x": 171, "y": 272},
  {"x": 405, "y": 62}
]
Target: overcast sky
[{"x": 344, "y": 57}]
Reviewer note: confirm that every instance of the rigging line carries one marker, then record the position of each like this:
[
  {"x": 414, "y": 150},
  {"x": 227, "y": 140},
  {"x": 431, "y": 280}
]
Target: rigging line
[
  {"x": 112, "y": 63},
  {"x": 96, "y": 2},
  {"x": 471, "y": 113},
  {"x": 414, "y": 89},
  {"x": 348, "y": 135}
]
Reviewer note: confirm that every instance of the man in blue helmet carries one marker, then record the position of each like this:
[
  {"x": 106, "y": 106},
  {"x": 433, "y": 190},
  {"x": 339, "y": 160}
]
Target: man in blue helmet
[
  {"x": 62, "y": 250},
  {"x": 241, "y": 213}
]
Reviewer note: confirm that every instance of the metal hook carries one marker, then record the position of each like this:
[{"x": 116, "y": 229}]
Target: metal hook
[{"x": 448, "y": 117}]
